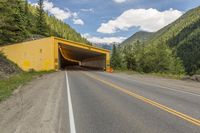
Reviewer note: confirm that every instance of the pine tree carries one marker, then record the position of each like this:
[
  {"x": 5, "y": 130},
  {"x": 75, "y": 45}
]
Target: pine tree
[
  {"x": 5, "y": 9},
  {"x": 27, "y": 17},
  {"x": 21, "y": 19},
  {"x": 18, "y": 20},
  {"x": 41, "y": 21},
  {"x": 12, "y": 28},
  {"x": 116, "y": 60},
  {"x": 113, "y": 57}
]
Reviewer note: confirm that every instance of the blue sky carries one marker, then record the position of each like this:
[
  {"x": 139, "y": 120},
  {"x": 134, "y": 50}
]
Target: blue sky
[{"x": 108, "y": 21}]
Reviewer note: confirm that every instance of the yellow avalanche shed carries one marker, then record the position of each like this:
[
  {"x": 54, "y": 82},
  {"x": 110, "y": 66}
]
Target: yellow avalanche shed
[{"x": 54, "y": 53}]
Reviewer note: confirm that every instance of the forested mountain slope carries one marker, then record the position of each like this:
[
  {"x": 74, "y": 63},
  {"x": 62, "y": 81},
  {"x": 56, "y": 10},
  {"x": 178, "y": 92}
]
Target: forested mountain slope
[
  {"x": 181, "y": 36},
  {"x": 176, "y": 27},
  {"x": 141, "y": 36},
  {"x": 20, "y": 21}
]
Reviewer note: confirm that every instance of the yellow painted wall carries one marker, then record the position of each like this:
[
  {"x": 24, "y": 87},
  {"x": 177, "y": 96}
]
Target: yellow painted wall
[
  {"x": 42, "y": 54},
  {"x": 108, "y": 61},
  {"x": 37, "y": 54}
]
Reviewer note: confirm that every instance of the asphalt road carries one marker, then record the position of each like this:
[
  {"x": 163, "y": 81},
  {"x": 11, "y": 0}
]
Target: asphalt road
[
  {"x": 102, "y": 104},
  {"x": 79, "y": 101}
]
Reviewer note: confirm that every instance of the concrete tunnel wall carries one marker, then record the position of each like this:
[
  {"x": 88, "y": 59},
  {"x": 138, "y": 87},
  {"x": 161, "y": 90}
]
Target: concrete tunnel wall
[
  {"x": 37, "y": 54},
  {"x": 43, "y": 54},
  {"x": 98, "y": 63},
  {"x": 86, "y": 56}
]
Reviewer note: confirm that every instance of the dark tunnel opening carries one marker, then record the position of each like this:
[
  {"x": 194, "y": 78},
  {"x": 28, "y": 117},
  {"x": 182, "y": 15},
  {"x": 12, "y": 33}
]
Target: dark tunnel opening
[
  {"x": 70, "y": 57},
  {"x": 63, "y": 63}
]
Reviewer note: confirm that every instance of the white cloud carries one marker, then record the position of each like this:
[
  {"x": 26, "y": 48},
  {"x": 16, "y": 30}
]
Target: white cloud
[
  {"x": 34, "y": 4},
  {"x": 56, "y": 11},
  {"x": 145, "y": 19},
  {"x": 75, "y": 15},
  {"x": 119, "y": 1},
  {"x": 87, "y": 10},
  {"x": 103, "y": 40},
  {"x": 78, "y": 21},
  {"x": 59, "y": 13}
]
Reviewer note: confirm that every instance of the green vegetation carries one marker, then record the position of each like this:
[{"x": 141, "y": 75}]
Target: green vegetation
[
  {"x": 7, "y": 68},
  {"x": 20, "y": 21},
  {"x": 186, "y": 45},
  {"x": 166, "y": 75},
  {"x": 172, "y": 50},
  {"x": 116, "y": 60},
  {"x": 7, "y": 86},
  {"x": 41, "y": 24},
  {"x": 141, "y": 36},
  {"x": 148, "y": 59},
  {"x": 11, "y": 77},
  {"x": 182, "y": 37}
]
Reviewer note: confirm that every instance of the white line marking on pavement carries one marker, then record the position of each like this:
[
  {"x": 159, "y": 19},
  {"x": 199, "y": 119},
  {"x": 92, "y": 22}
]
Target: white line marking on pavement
[{"x": 71, "y": 114}]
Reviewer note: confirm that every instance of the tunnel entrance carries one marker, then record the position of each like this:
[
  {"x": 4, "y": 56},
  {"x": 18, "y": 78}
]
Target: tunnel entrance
[
  {"x": 64, "y": 63},
  {"x": 70, "y": 56},
  {"x": 53, "y": 53}
]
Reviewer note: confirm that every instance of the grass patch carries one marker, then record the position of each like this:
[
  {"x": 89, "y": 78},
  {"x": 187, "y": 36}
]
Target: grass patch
[
  {"x": 7, "y": 86},
  {"x": 165, "y": 75}
]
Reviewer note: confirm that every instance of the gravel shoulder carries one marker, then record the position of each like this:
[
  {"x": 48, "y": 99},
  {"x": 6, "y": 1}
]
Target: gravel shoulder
[{"x": 35, "y": 108}]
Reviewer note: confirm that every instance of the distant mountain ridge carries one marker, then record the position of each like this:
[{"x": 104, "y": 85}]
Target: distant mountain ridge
[
  {"x": 176, "y": 27},
  {"x": 141, "y": 36},
  {"x": 168, "y": 31}
]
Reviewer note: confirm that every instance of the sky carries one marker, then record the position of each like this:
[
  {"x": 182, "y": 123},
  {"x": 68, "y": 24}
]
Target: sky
[{"x": 113, "y": 21}]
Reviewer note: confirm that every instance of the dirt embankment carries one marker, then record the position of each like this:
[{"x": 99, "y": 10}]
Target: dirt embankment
[
  {"x": 193, "y": 78},
  {"x": 7, "y": 68}
]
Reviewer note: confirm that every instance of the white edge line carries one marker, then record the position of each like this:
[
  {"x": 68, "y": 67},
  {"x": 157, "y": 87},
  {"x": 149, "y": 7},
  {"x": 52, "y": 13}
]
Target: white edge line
[{"x": 71, "y": 114}]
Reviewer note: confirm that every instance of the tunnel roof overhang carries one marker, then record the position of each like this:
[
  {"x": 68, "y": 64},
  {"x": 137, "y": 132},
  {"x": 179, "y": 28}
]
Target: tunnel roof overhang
[{"x": 77, "y": 51}]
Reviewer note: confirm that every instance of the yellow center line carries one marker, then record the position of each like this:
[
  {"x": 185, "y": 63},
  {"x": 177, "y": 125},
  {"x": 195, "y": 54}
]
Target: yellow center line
[{"x": 146, "y": 100}]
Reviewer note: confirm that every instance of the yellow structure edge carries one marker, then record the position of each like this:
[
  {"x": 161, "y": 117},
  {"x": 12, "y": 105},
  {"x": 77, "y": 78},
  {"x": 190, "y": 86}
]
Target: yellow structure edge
[{"x": 81, "y": 45}]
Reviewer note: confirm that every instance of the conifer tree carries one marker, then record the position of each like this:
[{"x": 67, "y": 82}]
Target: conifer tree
[
  {"x": 27, "y": 16},
  {"x": 5, "y": 9},
  {"x": 12, "y": 28},
  {"x": 41, "y": 21},
  {"x": 116, "y": 60},
  {"x": 21, "y": 19}
]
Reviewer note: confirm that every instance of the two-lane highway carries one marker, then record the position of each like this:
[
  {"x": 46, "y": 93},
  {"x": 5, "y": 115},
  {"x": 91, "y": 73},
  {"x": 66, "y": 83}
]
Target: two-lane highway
[
  {"x": 105, "y": 103},
  {"x": 80, "y": 101}
]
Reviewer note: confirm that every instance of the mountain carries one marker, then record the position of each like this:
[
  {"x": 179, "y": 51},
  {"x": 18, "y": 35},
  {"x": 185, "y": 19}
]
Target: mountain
[
  {"x": 107, "y": 46},
  {"x": 168, "y": 31},
  {"x": 176, "y": 27},
  {"x": 58, "y": 28},
  {"x": 182, "y": 36},
  {"x": 19, "y": 22},
  {"x": 104, "y": 46},
  {"x": 141, "y": 36}
]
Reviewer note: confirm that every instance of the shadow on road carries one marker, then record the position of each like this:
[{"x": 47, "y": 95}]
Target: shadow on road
[{"x": 79, "y": 68}]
